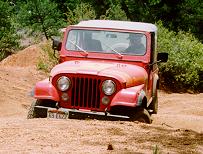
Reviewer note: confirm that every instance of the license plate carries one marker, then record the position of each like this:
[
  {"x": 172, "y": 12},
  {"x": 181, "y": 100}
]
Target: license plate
[{"x": 57, "y": 114}]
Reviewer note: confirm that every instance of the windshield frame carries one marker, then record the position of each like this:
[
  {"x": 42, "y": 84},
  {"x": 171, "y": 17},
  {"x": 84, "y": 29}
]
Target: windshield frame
[{"x": 102, "y": 55}]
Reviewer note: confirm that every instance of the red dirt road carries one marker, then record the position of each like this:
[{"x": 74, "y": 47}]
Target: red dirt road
[{"x": 177, "y": 128}]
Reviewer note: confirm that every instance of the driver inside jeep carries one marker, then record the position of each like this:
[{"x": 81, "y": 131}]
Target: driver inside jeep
[{"x": 135, "y": 44}]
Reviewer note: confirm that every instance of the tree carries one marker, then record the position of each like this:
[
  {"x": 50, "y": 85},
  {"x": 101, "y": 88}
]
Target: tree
[
  {"x": 83, "y": 11},
  {"x": 115, "y": 13},
  {"x": 8, "y": 37},
  {"x": 191, "y": 17},
  {"x": 176, "y": 15},
  {"x": 42, "y": 16}
]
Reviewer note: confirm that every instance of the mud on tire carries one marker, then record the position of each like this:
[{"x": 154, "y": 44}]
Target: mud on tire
[{"x": 141, "y": 115}]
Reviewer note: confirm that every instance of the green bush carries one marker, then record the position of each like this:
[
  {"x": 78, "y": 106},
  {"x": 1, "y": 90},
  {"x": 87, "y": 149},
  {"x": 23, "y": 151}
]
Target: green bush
[
  {"x": 48, "y": 58},
  {"x": 184, "y": 69}
]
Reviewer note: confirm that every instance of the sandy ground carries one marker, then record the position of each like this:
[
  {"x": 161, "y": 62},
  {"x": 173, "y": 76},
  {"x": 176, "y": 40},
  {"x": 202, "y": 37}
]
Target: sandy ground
[{"x": 177, "y": 128}]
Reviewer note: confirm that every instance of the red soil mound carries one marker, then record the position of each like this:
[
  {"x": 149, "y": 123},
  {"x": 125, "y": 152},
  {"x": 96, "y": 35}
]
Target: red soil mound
[{"x": 27, "y": 57}]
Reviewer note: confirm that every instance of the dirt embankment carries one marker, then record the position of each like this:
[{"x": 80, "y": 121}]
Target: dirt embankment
[{"x": 177, "y": 128}]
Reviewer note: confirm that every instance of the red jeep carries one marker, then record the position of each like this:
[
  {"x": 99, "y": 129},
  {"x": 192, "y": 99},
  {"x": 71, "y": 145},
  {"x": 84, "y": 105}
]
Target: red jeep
[{"x": 106, "y": 68}]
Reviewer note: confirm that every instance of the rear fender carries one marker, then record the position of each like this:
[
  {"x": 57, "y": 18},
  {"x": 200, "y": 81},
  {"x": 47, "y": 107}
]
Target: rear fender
[
  {"x": 45, "y": 90},
  {"x": 130, "y": 97}
]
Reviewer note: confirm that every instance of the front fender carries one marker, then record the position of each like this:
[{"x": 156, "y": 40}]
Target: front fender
[
  {"x": 129, "y": 97},
  {"x": 45, "y": 90}
]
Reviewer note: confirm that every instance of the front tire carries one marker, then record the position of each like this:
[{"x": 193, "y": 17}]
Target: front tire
[
  {"x": 141, "y": 115},
  {"x": 36, "y": 112}
]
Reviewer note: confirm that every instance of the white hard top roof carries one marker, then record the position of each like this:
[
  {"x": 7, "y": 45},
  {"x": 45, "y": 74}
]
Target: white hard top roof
[{"x": 113, "y": 24}]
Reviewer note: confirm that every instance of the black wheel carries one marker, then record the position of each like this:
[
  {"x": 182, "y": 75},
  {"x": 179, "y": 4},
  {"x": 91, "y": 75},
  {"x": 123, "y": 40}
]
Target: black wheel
[
  {"x": 141, "y": 115},
  {"x": 154, "y": 105},
  {"x": 36, "y": 112}
]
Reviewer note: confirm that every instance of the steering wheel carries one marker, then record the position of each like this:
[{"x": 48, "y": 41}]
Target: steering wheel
[{"x": 120, "y": 47}]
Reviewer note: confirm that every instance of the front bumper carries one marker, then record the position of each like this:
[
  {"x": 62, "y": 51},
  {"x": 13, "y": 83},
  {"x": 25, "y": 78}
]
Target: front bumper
[{"x": 63, "y": 113}]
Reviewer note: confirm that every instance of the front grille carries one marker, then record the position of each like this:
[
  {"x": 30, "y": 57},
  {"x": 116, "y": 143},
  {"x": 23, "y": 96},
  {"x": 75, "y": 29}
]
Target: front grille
[{"x": 85, "y": 93}]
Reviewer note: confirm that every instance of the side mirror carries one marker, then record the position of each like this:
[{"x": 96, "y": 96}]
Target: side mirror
[
  {"x": 162, "y": 57},
  {"x": 56, "y": 45}
]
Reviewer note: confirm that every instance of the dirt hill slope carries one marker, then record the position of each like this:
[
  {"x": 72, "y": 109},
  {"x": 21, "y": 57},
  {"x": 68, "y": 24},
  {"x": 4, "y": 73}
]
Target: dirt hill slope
[
  {"x": 18, "y": 75},
  {"x": 177, "y": 128}
]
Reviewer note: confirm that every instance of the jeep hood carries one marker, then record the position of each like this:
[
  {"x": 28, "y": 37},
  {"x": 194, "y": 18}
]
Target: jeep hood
[{"x": 130, "y": 75}]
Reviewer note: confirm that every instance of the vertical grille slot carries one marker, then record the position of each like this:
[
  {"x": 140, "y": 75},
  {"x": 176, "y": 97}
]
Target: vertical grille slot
[{"x": 85, "y": 93}]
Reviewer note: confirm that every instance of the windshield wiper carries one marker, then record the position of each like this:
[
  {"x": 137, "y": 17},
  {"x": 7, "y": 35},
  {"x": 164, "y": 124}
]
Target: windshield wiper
[
  {"x": 120, "y": 55},
  {"x": 81, "y": 49}
]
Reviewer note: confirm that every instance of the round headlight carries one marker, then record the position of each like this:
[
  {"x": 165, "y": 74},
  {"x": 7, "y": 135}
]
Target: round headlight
[
  {"x": 108, "y": 87},
  {"x": 63, "y": 83}
]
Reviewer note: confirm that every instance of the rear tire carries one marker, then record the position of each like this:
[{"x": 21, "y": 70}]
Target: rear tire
[{"x": 141, "y": 115}]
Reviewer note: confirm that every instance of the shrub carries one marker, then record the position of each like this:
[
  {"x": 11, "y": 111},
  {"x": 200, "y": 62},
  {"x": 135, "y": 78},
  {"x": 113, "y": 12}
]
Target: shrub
[
  {"x": 48, "y": 58},
  {"x": 184, "y": 69}
]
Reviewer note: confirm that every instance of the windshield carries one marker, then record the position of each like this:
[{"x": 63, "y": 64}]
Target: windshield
[{"x": 121, "y": 43}]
